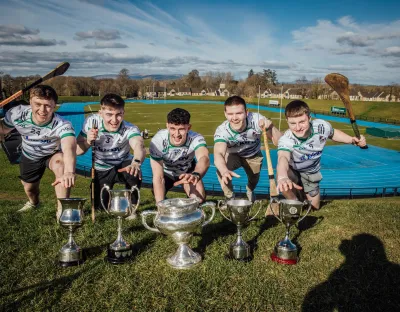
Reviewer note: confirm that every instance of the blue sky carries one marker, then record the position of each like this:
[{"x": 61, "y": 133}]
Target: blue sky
[{"x": 360, "y": 39}]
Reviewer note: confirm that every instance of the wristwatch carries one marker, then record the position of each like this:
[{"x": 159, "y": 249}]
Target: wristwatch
[
  {"x": 196, "y": 174},
  {"x": 137, "y": 161}
]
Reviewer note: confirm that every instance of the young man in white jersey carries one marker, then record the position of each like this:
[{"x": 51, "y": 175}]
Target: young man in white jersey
[
  {"x": 300, "y": 149},
  {"x": 237, "y": 143},
  {"x": 113, "y": 140},
  {"x": 47, "y": 141},
  {"x": 173, "y": 152}
]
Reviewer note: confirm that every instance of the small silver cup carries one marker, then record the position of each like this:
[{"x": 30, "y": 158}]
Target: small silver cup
[
  {"x": 239, "y": 214},
  {"x": 71, "y": 218},
  {"x": 120, "y": 206},
  {"x": 290, "y": 213}
]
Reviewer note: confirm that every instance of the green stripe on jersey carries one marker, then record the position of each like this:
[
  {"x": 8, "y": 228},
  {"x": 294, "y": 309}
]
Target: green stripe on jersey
[
  {"x": 67, "y": 135},
  {"x": 200, "y": 145}
]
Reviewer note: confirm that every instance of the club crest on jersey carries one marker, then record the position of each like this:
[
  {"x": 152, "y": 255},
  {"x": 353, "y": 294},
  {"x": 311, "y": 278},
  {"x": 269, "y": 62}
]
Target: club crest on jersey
[{"x": 322, "y": 139}]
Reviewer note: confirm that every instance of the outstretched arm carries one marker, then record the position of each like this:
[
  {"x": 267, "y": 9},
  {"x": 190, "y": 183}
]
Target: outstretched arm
[
  {"x": 284, "y": 182},
  {"x": 139, "y": 152},
  {"x": 203, "y": 163},
  {"x": 341, "y": 137},
  {"x": 68, "y": 146},
  {"x": 158, "y": 179},
  {"x": 220, "y": 149}
]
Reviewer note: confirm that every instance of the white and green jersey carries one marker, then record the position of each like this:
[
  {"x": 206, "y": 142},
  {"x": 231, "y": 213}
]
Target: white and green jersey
[
  {"x": 176, "y": 159},
  {"x": 306, "y": 153},
  {"x": 246, "y": 143},
  {"x": 38, "y": 141},
  {"x": 111, "y": 148}
]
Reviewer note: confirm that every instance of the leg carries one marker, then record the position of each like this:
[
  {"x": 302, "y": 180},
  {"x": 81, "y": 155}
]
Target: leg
[
  {"x": 232, "y": 163},
  {"x": 31, "y": 171},
  {"x": 103, "y": 177},
  {"x": 56, "y": 164},
  {"x": 315, "y": 200},
  {"x": 32, "y": 191},
  {"x": 252, "y": 166},
  {"x": 310, "y": 182},
  {"x": 195, "y": 191},
  {"x": 294, "y": 194},
  {"x": 129, "y": 181}
]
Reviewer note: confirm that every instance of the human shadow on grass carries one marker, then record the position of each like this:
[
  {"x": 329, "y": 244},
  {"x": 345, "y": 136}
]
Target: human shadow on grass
[
  {"x": 55, "y": 289},
  {"x": 366, "y": 281}
]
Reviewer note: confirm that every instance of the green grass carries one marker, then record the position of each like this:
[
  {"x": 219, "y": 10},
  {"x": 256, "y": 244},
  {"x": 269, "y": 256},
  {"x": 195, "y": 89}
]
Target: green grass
[
  {"x": 30, "y": 280},
  {"x": 205, "y": 118}
]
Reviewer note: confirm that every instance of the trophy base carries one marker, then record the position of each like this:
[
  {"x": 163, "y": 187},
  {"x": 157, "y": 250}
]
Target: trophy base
[
  {"x": 276, "y": 258},
  {"x": 240, "y": 252},
  {"x": 70, "y": 263},
  {"x": 184, "y": 258},
  {"x": 118, "y": 256}
]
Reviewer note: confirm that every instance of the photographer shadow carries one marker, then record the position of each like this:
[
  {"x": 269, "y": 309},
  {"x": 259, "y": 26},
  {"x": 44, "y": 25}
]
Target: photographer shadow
[{"x": 366, "y": 281}]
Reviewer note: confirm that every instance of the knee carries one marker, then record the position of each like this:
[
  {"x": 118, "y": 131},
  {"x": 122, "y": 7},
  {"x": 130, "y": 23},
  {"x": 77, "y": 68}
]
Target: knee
[{"x": 58, "y": 168}]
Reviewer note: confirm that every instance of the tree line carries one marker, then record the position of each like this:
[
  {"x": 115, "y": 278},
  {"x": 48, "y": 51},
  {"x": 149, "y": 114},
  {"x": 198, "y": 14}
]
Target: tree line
[{"x": 210, "y": 81}]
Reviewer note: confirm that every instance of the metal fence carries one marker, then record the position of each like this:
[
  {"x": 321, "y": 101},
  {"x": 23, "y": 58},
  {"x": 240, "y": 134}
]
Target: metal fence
[{"x": 360, "y": 117}]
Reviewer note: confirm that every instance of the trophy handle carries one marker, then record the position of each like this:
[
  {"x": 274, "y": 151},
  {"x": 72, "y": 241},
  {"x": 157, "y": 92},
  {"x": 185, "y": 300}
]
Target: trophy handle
[
  {"x": 220, "y": 210},
  {"x": 144, "y": 216},
  {"x": 212, "y": 206},
  {"x": 274, "y": 200},
  {"x": 135, "y": 188},
  {"x": 259, "y": 202},
  {"x": 107, "y": 188},
  {"x": 306, "y": 202}
]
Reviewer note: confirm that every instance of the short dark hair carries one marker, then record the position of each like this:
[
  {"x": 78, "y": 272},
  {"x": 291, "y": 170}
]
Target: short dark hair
[
  {"x": 178, "y": 116},
  {"x": 112, "y": 100},
  {"x": 235, "y": 100},
  {"x": 44, "y": 92},
  {"x": 297, "y": 108}
]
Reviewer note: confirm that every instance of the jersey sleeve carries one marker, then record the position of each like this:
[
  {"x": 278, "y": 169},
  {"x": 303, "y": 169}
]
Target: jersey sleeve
[
  {"x": 219, "y": 135},
  {"x": 11, "y": 115},
  {"x": 156, "y": 148},
  {"x": 66, "y": 130},
  {"x": 325, "y": 128},
  {"x": 133, "y": 131},
  {"x": 285, "y": 144},
  {"x": 198, "y": 141}
]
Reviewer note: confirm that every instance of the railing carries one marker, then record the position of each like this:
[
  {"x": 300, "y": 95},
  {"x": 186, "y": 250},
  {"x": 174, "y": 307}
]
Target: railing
[
  {"x": 359, "y": 117},
  {"x": 214, "y": 189}
]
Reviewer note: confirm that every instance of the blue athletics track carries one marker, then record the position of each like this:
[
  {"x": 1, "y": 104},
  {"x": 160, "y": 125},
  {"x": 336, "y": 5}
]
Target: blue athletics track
[{"x": 347, "y": 171}]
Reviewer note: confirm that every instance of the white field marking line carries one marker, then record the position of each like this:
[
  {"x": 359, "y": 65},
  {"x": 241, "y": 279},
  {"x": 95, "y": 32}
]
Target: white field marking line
[{"x": 364, "y": 158}]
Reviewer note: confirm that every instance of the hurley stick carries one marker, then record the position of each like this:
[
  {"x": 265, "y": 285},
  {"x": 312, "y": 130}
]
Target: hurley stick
[
  {"x": 340, "y": 84},
  {"x": 59, "y": 70},
  {"x": 93, "y": 171}
]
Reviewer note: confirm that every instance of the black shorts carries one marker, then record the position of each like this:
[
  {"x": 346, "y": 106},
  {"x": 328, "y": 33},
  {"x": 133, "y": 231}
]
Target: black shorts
[
  {"x": 169, "y": 181},
  {"x": 111, "y": 177},
  {"x": 32, "y": 171}
]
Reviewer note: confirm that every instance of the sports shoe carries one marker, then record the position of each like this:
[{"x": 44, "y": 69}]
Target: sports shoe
[
  {"x": 28, "y": 206},
  {"x": 251, "y": 196}
]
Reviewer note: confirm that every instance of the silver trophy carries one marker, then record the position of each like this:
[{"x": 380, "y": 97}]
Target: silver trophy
[
  {"x": 120, "y": 206},
  {"x": 180, "y": 218},
  {"x": 71, "y": 218},
  {"x": 239, "y": 214},
  {"x": 290, "y": 213}
]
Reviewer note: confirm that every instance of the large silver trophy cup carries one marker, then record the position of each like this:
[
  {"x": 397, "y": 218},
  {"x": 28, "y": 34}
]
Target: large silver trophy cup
[
  {"x": 239, "y": 214},
  {"x": 290, "y": 213},
  {"x": 120, "y": 206},
  {"x": 71, "y": 218},
  {"x": 180, "y": 218}
]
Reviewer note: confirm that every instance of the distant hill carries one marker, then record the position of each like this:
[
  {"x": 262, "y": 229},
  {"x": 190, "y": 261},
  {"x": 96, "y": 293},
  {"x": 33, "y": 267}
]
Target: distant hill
[{"x": 140, "y": 76}]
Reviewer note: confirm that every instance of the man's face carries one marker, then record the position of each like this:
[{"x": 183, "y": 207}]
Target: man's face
[
  {"x": 178, "y": 133},
  {"x": 236, "y": 115},
  {"x": 299, "y": 125},
  {"x": 112, "y": 117},
  {"x": 42, "y": 110}
]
